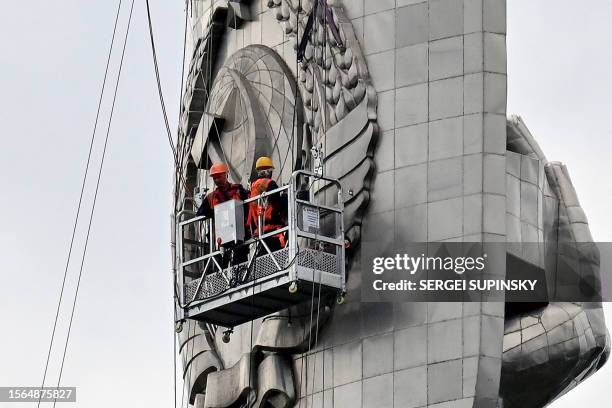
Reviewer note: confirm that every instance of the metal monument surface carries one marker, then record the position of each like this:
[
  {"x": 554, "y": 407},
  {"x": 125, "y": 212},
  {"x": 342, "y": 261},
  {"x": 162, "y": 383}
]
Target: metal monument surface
[{"x": 405, "y": 104}]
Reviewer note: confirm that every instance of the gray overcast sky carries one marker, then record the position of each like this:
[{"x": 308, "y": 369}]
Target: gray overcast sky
[{"x": 52, "y": 57}]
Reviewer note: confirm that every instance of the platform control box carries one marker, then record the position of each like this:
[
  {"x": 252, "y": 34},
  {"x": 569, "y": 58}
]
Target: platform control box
[{"x": 229, "y": 222}]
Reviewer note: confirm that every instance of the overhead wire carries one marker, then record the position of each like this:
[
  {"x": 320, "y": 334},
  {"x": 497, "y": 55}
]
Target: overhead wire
[
  {"x": 91, "y": 215},
  {"x": 78, "y": 211}
]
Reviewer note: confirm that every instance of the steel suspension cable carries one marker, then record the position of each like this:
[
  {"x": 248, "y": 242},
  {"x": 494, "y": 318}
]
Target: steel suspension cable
[
  {"x": 187, "y": 374},
  {"x": 161, "y": 98},
  {"x": 175, "y": 300},
  {"x": 184, "y": 52},
  {"x": 78, "y": 211},
  {"x": 93, "y": 208},
  {"x": 181, "y": 144}
]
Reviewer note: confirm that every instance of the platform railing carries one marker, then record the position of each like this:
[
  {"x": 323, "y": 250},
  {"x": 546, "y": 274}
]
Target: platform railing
[{"x": 212, "y": 260}]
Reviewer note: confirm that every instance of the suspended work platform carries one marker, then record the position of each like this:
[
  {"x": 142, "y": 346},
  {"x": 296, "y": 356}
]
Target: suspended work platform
[{"x": 230, "y": 283}]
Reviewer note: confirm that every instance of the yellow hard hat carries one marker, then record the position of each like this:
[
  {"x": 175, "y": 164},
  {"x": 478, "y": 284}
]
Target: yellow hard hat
[{"x": 264, "y": 162}]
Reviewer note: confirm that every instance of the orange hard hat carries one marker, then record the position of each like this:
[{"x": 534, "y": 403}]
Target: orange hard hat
[{"x": 218, "y": 168}]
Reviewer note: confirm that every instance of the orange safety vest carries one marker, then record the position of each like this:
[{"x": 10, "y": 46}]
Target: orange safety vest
[
  {"x": 218, "y": 196},
  {"x": 259, "y": 187}
]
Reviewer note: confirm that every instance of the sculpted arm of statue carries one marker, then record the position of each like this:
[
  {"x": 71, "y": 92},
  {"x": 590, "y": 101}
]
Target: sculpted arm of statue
[{"x": 551, "y": 348}]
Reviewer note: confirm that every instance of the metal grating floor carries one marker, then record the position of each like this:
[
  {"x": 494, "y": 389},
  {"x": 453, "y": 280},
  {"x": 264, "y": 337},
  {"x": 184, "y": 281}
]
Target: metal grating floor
[{"x": 217, "y": 283}]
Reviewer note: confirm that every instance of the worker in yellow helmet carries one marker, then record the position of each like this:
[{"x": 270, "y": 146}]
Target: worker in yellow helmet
[{"x": 273, "y": 213}]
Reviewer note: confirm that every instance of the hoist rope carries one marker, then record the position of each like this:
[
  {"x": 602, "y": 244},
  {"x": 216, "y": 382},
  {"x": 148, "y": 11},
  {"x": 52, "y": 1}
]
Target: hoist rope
[
  {"x": 305, "y": 362},
  {"x": 176, "y": 299},
  {"x": 317, "y": 255},
  {"x": 180, "y": 142},
  {"x": 310, "y": 344},
  {"x": 174, "y": 356},
  {"x": 78, "y": 211},
  {"x": 159, "y": 88},
  {"x": 161, "y": 99},
  {"x": 291, "y": 141},
  {"x": 325, "y": 73},
  {"x": 184, "y": 52},
  {"x": 251, "y": 337},
  {"x": 187, "y": 376},
  {"x": 91, "y": 215}
]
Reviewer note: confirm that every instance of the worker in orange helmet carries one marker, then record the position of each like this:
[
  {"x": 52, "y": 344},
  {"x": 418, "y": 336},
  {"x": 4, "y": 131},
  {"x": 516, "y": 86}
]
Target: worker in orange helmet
[
  {"x": 224, "y": 190},
  {"x": 271, "y": 212}
]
